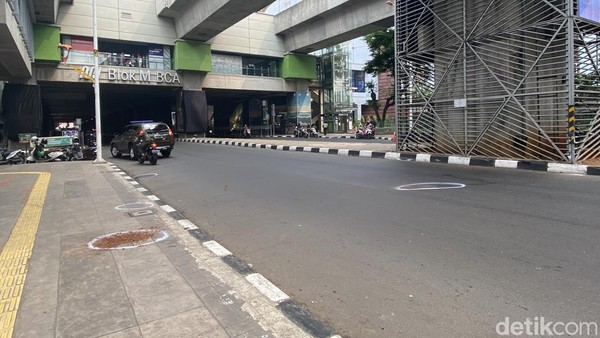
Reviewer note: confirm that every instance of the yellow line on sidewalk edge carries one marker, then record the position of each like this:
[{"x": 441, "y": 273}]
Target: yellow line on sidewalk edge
[{"x": 17, "y": 251}]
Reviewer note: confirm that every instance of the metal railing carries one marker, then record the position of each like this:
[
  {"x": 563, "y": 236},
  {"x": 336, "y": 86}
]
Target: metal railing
[{"x": 113, "y": 59}]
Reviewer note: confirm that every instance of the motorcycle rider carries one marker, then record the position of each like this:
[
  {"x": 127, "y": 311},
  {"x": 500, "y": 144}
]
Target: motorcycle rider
[
  {"x": 141, "y": 141},
  {"x": 313, "y": 131}
]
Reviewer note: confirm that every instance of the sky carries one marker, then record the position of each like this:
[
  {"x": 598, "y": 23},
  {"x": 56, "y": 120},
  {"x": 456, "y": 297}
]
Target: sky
[
  {"x": 590, "y": 9},
  {"x": 359, "y": 50},
  {"x": 280, "y": 5}
]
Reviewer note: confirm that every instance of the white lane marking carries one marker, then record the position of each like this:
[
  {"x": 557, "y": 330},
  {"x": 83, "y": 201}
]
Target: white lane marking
[
  {"x": 167, "y": 208},
  {"x": 267, "y": 288},
  {"x": 217, "y": 248}
]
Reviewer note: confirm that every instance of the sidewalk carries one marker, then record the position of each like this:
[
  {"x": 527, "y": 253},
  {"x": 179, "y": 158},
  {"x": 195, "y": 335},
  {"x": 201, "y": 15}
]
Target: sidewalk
[{"x": 181, "y": 284}]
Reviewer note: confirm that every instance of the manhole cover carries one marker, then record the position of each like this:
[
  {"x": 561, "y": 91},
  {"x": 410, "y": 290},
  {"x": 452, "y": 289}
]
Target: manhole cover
[
  {"x": 134, "y": 206},
  {"x": 431, "y": 186},
  {"x": 128, "y": 239}
]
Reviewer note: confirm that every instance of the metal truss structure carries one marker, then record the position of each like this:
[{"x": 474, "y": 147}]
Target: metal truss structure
[{"x": 498, "y": 78}]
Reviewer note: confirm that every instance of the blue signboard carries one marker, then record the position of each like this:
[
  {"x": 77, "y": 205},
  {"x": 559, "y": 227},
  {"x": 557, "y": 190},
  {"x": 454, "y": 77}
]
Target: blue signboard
[{"x": 156, "y": 51}]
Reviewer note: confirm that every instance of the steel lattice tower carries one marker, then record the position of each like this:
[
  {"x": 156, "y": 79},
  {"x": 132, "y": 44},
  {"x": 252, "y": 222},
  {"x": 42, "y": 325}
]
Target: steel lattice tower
[{"x": 496, "y": 78}]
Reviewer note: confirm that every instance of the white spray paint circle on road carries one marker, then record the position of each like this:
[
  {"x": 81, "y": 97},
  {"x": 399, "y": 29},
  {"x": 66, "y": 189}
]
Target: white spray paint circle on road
[{"x": 430, "y": 186}]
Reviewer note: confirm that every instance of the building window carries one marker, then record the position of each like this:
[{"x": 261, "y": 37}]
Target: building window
[{"x": 260, "y": 67}]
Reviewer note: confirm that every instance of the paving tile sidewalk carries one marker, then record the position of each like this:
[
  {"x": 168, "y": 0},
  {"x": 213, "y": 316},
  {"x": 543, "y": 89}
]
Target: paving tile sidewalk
[{"x": 172, "y": 288}]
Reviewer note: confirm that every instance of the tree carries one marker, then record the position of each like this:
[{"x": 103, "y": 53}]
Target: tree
[{"x": 381, "y": 47}]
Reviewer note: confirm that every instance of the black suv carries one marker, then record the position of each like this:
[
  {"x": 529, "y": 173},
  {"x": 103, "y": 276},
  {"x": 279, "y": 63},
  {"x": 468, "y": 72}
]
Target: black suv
[{"x": 159, "y": 131}]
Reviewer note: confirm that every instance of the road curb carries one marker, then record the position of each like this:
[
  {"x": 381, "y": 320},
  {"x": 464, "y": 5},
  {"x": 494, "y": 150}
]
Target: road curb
[
  {"x": 285, "y": 304},
  {"x": 577, "y": 169},
  {"x": 387, "y": 138}
]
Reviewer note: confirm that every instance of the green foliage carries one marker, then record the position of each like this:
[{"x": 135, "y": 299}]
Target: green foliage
[
  {"x": 373, "y": 101},
  {"x": 381, "y": 48},
  {"x": 587, "y": 81}
]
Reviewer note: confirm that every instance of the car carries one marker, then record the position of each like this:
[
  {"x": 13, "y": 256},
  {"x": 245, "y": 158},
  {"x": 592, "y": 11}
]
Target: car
[{"x": 122, "y": 142}]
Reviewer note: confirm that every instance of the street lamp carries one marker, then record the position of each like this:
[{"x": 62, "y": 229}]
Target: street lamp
[{"x": 99, "y": 158}]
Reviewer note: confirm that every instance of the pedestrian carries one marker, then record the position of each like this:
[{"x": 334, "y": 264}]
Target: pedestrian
[{"x": 325, "y": 125}]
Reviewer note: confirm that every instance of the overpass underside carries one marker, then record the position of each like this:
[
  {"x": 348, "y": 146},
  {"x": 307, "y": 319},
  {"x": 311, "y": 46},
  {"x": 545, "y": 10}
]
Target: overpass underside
[{"x": 496, "y": 79}]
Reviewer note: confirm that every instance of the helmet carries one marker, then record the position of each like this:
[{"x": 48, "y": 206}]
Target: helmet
[{"x": 34, "y": 139}]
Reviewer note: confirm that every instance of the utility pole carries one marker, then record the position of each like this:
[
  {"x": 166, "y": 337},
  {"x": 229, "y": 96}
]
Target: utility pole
[{"x": 99, "y": 158}]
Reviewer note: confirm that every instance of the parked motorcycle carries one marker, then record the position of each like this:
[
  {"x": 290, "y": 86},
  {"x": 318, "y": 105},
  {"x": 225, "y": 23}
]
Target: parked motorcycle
[
  {"x": 367, "y": 132},
  {"x": 360, "y": 133},
  {"x": 13, "y": 156},
  {"x": 89, "y": 153},
  {"x": 75, "y": 152},
  {"x": 146, "y": 150},
  {"x": 39, "y": 153},
  {"x": 300, "y": 132}
]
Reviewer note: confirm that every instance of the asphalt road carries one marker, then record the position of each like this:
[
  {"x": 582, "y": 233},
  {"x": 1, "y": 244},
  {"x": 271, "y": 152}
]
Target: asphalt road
[{"x": 335, "y": 234}]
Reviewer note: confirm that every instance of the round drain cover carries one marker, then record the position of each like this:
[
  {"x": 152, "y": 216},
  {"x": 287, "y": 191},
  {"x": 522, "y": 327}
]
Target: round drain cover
[
  {"x": 128, "y": 239},
  {"x": 431, "y": 186},
  {"x": 134, "y": 206}
]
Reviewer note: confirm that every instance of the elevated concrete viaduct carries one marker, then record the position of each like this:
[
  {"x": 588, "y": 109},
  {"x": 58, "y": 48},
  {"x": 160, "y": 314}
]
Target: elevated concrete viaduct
[
  {"x": 203, "y": 20},
  {"x": 306, "y": 27},
  {"x": 315, "y": 24}
]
